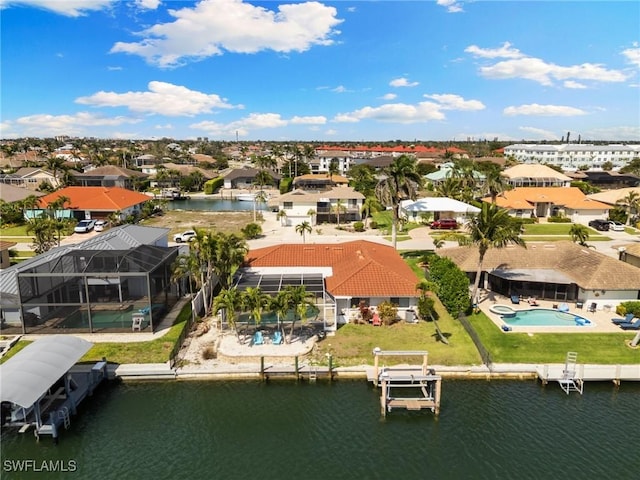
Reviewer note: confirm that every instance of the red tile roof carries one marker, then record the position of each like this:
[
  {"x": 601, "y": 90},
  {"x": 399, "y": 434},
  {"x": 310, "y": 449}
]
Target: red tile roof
[
  {"x": 396, "y": 149},
  {"x": 360, "y": 268},
  {"x": 96, "y": 198}
]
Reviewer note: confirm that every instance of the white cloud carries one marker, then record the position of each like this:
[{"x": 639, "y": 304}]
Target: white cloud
[
  {"x": 453, "y": 6},
  {"x": 543, "y": 110},
  {"x": 317, "y": 120},
  {"x": 45, "y": 125},
  {"x": 255, "y": 121},
  {"x": 212, "y": 27},
  {"x": 389, "y": 96},
  {"x": 455, "y": 102},
  {"x": 394, "y": 112},
  {"x": 633, "y": 54},
  {"x": 520, "y": 66},
  {"x": 621, "y": 133},
  {"x": 539, "y": 133},
  {"x": 340, "y": 89},
  {"x": 114, "y": 69},
  {"x": 148, "y": 4},
  {"x": 69, "y": 8},
  {"x": 161, "y": 99},
  {"x": 166, "y": 126},
  {"x": 573, "y": 84},
  {"x": 505, "y": 51},
  {"x": 331, "y": 132},
  {"x": 402, "y": 82}
]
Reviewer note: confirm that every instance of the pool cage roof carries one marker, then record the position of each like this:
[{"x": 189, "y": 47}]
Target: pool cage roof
[
  {"x": 141, "y": 259},
  {"x": 273, "y": 283}
]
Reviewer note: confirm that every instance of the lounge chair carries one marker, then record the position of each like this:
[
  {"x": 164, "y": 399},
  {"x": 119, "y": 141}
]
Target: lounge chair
[
  {"x": 593, "y": 307},
  {"x": 257, "y": 339},
  {"x": 515, "y": 299},
  {"x": 631, "y": 325},
  {"x": 628, "y": 318},
  {"x": 277, "y": 338}
]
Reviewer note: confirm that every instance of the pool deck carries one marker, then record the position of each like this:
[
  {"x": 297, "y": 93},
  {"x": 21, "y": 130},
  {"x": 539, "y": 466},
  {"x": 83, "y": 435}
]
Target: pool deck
[{"x": 600, "y": 319}]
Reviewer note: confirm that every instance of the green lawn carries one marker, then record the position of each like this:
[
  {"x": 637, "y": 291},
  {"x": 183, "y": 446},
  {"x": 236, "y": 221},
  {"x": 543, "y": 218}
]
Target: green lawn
[
  {"x": 17, "y": 231},
  {"x": 601, "y": 348},
  {"x": 155, "y": 351}
]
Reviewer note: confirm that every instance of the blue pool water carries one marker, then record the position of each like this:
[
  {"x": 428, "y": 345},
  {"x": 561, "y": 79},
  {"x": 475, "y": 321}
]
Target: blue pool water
[{"x": 544, "y": 317}]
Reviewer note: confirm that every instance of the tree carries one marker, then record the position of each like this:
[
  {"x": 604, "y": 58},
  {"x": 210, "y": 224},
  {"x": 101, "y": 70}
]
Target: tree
[
  {"x": 338, "y": 208},
  {"x": 229, "y": 301},
  {"x": 228, "y": 256},
  {"x": 312, "y": 213},
  {"x": 579, "y": 233},
  {"x": 369, "y": 206},
  {"x": 495, "y": 184},
  {"x": 255, "y": 300},
  {"x": 492, "y": 227},
  {"x": 333, "y": 168},
  {"x": 299, "y": 300},
  {"x": 282, "y": 216},
  {"x": 44, "y": 234},
  {"x": 55, "y": 164},
  {"x": 401, "y": 181},
  {"x": 303, "y": 228},
  {"x": 362, "y": 179},
  {"x": 631, "y": 202}
]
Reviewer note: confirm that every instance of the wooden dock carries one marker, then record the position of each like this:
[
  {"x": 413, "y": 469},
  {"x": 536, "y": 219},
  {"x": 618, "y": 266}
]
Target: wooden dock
[
  {"x": 590, "y": 373},
  {"x": 406, "y": 387}
]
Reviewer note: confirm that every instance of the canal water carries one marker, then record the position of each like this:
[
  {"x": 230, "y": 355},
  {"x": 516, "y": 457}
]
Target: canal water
[
  {"x": 212, "y": 205},
  {"x": 281, "y": 431}
]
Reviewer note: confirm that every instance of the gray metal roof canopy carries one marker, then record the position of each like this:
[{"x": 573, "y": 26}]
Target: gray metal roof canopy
[{"x": 28, "y": 375}]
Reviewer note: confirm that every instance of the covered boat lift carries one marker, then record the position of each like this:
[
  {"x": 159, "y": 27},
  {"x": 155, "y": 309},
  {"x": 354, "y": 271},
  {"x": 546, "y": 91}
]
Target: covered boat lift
[{"x": 39, "y": 386}]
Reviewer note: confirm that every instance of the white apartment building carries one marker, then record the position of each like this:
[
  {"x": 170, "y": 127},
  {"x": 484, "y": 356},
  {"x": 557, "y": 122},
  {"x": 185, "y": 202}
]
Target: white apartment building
[
  {"x": 570, "y": 157},
  {"x": 322, "y": 160}
]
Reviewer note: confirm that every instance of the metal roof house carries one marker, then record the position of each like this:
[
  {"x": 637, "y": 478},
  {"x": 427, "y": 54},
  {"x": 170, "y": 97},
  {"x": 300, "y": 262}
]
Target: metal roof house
[{"x": 99, "y": 285}]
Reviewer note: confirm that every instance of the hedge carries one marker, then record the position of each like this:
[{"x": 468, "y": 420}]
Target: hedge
[{"x": 211, "y": 186}]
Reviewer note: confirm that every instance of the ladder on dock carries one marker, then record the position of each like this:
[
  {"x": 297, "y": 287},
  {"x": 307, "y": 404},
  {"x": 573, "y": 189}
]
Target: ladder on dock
[
  {"x": 569, "y": 381},
  {"x": 313, "y": 374},
  {"x": 63, "y": 414}
]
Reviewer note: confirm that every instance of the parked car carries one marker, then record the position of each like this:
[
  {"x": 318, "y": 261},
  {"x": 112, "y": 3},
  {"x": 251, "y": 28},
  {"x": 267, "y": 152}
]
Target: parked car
[
  {"x": 598, "y": 224},
  {"x": 100, "y": 225},
  {"x": 445, "y": 224},
  {"x": 616, "y": 226},
  {"x": 187, "y": 236},
  {"x": 84, "y": 226}
]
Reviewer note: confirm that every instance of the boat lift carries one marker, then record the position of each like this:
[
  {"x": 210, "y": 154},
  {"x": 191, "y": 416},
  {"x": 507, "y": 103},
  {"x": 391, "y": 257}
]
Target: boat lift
[{"x": 41, "y": 388}]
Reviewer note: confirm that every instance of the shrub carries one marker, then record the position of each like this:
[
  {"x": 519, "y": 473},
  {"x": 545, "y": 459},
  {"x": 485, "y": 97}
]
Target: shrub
[
  {"x": 453, "y": 284},
  {"x": 211, "y": 186},
  {"x": 358, "y": 226},
  {"x": 251, "y": 231},
  {"x": 426, "y": 308},
  {"x": 632, "y": 306},
  {"x": 208, "y": 353},
  {"x": 285, "y": 184},
  {"x": 559, "y": 220},
  {"x": 373, "y": 224},
  {"x": 388, "y": 312}
]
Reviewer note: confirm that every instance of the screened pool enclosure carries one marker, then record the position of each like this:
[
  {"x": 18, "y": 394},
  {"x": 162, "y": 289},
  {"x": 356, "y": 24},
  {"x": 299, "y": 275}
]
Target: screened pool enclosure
[{"x": 94, "y": 291}]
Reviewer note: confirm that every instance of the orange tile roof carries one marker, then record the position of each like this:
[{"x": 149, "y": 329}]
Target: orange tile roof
[
  {"x": 96, "y": 198},
  {"x": 360, "y": 268},
  {"x": 526, "y": 197}
]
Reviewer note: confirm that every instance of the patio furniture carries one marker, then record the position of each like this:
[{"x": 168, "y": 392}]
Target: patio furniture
[
  {"x": 257, "y": 339},
  {"x": 631, "y": 325},
  {"x": 579, "y": 304},
  {"x": 376, "y": 320},
  {"x": 515, "y": 299},
  {"x": 277, "y": 338},
  {"x": 628, "y": 318},
  {"x": 593, "y": 307}
]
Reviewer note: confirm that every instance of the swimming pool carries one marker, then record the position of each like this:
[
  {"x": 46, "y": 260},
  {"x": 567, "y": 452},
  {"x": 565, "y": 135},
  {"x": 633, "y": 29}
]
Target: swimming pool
[{"x": 545, "y": 317}]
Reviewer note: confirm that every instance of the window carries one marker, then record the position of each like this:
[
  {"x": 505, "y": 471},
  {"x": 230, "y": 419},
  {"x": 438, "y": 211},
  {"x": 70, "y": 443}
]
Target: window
[
  {"x": 402, "y": 302},
  {"x": 288, "y": 205}
]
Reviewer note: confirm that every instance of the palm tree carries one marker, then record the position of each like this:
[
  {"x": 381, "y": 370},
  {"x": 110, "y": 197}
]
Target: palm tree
[
  {"x": 55, "y": 164},
  {"x": 44, "y": 234},
  {"x": 338, "y": 208},
  {"x": 369, "y": 206},
  {"x": 401, "y": 181},
  {"x": 303, "y": 228},
  {"x": 299, "y": 300},
  {"x": 495, "y": 184},
  {"x": 255, "y": 300},
  {"x": 579, "y": 233},
  {"x": 280, "y": 305},
  {"x": 312, "y": 214},
  {"x": 450, "y": 187},
  {"x": 631, "y": 203},
  {"x": 259, "y": 197},
  {"x": 282, "y": 216},
  {"x": 334, "y": 168},
  {"x": 229, "y": 301},
  {"x": 229, "y": 254},
  {"x": 492, "y": 227}
]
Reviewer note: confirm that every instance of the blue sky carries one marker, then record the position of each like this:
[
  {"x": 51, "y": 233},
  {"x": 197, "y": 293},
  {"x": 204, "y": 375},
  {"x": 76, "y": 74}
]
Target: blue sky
[{"x": 324, "y": 71}]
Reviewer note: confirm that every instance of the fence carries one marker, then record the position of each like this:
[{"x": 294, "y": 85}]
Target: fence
[{"x": 484, "y": 353}]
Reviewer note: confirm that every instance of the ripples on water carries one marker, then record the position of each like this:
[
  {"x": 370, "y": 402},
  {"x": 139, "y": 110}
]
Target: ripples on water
[{"x": 250, "y": 430}]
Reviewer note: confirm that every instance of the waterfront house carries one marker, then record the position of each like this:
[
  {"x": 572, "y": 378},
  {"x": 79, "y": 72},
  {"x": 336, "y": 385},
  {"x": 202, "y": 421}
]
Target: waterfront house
[
  {"x": 437, "y": 208},
  {"x": 319, "y": 181},
  {"x": 10, "y": 194},
  {"x": 317, "y": 207},
  {"x": 31, "y": 178},
  {"x": 245, "y": 178},
  {"x": 551, "y": 202},
  {"x": 109, "y": 176},
  {"x": 342, "y": 276},
  {"x": 560, "y": 271},
  {"x": 535, "y": 175},
  {"x": 94, "y": 202},
  {"x": 98, "y": 285}
]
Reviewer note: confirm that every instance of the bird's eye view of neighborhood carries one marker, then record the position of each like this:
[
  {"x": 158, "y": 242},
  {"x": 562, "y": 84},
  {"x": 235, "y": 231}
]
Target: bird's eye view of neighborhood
[{"x": 217, "y": 196}]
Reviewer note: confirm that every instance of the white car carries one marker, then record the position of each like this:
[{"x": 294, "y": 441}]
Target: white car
[
  {"x": 84, "y": 226},
  {"x": 187, "y": 236},
  {"x": 100, "y": 225},
  {"x": 616, "y": 226}
]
